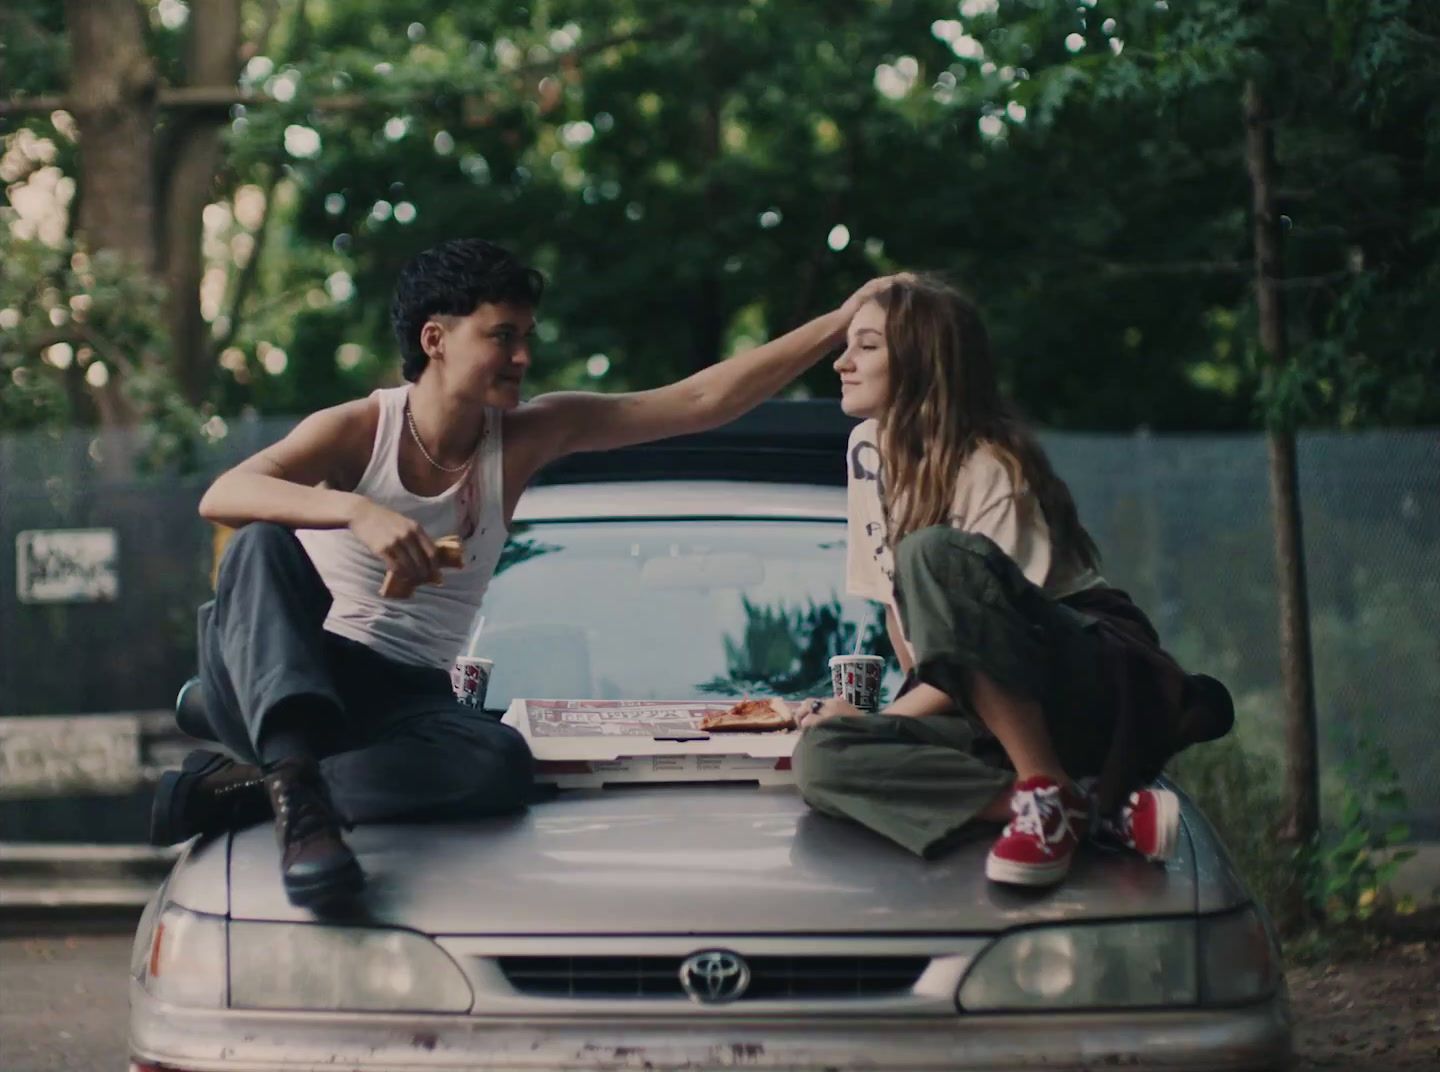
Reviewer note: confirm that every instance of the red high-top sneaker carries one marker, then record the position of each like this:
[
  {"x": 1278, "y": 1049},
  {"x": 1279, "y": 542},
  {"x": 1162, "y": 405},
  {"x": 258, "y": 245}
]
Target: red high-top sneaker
[
  {"x": 1036, "y": 848},
  {"x": 1148, "y": 823}
]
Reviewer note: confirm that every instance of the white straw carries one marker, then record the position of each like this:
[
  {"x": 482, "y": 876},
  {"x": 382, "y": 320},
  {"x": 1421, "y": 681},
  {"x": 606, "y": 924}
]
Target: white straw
[
  {"x": 859, "y": 636},
  {"x": 472, "y": 647}
]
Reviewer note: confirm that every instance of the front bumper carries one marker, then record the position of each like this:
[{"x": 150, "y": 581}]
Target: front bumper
[{"x": 1251, "y": 1038}]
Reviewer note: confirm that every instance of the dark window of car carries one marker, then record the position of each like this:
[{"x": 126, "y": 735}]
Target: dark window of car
[{"x": 673, "y": 610}]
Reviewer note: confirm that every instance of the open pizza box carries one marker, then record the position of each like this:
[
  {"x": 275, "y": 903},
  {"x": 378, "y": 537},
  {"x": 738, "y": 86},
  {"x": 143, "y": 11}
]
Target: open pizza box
[{"x": 587, "y": 743}]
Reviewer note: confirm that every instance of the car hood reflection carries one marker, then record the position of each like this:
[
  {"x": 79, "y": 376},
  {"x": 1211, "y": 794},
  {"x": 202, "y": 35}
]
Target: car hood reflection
[{"x": 718, "y": 859}]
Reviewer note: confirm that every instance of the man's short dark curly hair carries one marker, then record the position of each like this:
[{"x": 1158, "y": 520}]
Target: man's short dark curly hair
[{"x": 453, "y": 279}]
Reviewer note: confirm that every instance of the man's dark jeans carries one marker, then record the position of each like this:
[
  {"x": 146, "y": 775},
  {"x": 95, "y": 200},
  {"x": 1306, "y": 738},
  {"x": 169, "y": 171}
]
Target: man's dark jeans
[{"x": 393, "y": 742}]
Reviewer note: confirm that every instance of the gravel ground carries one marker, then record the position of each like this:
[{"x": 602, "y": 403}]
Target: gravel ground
[
  {"x": 1379, "y": 1013},
  {"x": 63, "y": 1003}
]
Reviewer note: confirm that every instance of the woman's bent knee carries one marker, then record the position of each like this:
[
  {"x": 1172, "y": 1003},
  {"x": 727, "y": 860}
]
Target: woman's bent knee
[
  {"x": 937, "y": 547},
  {"x": 823, "y": 759}
]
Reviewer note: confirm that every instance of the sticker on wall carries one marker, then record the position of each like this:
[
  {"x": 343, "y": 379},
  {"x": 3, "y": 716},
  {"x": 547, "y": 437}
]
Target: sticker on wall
[
  {"x": 57, "y": 755},
  {"x": 67, "y": 565}
]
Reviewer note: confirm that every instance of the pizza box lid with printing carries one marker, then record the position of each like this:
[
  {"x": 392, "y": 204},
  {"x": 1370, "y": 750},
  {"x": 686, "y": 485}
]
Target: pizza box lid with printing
[{"x": 587, "y": 743}]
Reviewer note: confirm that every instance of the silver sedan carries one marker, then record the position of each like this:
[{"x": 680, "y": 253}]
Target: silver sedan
[{"x": 695, "y": 925}]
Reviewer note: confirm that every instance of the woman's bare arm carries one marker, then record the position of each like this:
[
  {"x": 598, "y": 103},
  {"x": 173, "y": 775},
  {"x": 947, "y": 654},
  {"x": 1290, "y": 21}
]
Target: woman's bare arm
[
  {"x": 897, "y": 639},
  {"x": 921, "y": 700}
]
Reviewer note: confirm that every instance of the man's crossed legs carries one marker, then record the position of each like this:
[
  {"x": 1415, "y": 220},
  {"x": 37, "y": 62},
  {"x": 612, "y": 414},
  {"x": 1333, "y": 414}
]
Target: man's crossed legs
[{"x": 330, "y": 732}]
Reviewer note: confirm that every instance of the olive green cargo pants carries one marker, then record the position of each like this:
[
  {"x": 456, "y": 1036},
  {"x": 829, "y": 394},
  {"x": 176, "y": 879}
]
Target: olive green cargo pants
[{"x": 965, "y": 606}]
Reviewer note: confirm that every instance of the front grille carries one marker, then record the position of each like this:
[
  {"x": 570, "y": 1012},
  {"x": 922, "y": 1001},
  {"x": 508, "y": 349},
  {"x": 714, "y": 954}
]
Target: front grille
[{"x": 771, "y": 977}]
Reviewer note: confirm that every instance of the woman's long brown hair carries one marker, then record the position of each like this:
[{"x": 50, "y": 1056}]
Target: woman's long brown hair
[{"x": 944, "y": 403}]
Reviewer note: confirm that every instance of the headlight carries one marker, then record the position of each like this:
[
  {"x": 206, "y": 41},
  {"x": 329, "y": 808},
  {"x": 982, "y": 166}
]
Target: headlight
[
  {"x": 1127, "y": 965},
  {"x": 186, "y": 962},
  {"x": 1105, "y": 965},
  {"x": 1238, "y": 960},
  {"x": 285, "y": 966},
  {"x": 145, "y": 936}
]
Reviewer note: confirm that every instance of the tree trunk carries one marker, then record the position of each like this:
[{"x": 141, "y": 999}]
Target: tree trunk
[
  {"x": 112, "y": 96},
  {"x": 212, "y": 60},
  {"x": 1302, "y": 815}
]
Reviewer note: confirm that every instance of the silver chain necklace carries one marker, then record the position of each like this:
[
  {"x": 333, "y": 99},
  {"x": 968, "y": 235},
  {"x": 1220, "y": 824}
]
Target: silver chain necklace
[{"x": 415, "y": 435}]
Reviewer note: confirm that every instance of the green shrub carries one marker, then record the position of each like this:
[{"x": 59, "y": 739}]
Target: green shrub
[
  {"x": 1238, "y": 789},
  {"x": 1349, "y": 868},
  {"x": 1346, "y": 873}
]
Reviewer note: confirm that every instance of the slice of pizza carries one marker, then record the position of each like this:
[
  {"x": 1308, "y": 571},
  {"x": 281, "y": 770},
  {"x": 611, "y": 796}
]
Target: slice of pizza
[
  {"x": 449, "y": 550},
  {"x": 750, "y": 716}
]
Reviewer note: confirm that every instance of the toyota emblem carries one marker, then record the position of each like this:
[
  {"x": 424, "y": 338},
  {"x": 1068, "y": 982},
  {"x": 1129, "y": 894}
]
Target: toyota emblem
[{"x": 714, "y": 977}]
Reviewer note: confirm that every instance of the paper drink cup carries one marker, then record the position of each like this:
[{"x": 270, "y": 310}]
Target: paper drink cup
[
  {"x": 470, "y": 677},
  {"x": 856, "y": 678}
]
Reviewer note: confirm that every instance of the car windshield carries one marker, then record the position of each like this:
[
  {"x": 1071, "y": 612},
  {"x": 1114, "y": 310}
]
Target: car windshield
[{"x": 673, "y": 610}]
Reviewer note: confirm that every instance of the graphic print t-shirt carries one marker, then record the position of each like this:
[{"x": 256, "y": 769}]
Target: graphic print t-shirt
[{"x": 986, "y": 503}]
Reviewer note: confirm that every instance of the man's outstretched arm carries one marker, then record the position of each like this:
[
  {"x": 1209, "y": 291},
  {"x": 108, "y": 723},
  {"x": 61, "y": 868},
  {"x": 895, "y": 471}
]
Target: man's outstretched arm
[{"x": 574, "y": 421}]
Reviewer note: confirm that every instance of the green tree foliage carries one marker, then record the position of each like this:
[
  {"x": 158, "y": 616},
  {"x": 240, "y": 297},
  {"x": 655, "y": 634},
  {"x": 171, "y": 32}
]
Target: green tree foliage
[
  {"x": 786, "y": 651},
  {"x": 77, "y": 315},
  {"x": 692, "y": 177},
  {"x": 1354, "y": 92}
]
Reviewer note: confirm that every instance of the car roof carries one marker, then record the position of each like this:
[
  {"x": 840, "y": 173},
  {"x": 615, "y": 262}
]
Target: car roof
[
  {"x": 680, "y": 499},
  {"x": 790, "y": 442},
  {"x": 781, "y": 460}
]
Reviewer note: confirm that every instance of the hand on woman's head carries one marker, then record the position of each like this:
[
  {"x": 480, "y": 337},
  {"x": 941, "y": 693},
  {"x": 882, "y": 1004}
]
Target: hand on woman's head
[{"x": 868, "y": 291}]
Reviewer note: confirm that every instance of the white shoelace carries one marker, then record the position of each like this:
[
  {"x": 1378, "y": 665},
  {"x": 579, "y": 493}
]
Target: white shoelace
[
  {"x": 1030, "y": 807},
  {"x": 1121, "y": 825}
]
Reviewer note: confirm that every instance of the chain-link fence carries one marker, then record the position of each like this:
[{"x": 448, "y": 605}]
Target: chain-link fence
[{"x": 1184, "y": 522}]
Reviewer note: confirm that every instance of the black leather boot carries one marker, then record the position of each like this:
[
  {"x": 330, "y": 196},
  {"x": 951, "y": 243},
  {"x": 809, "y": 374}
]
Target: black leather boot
[
  {"x": 209, "y": 794},
  {"x": 317, "y": 866}
]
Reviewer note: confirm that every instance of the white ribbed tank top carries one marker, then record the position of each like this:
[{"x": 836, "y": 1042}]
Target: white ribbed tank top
[{"x": 430, "y": 627}]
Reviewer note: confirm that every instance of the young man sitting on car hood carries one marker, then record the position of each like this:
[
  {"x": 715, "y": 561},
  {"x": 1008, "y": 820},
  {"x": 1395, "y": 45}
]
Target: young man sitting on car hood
[{"x": 337, "y": 695}]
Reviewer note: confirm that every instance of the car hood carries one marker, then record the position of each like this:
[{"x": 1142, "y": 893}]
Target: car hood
[{"x": 720, "y": 859}]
